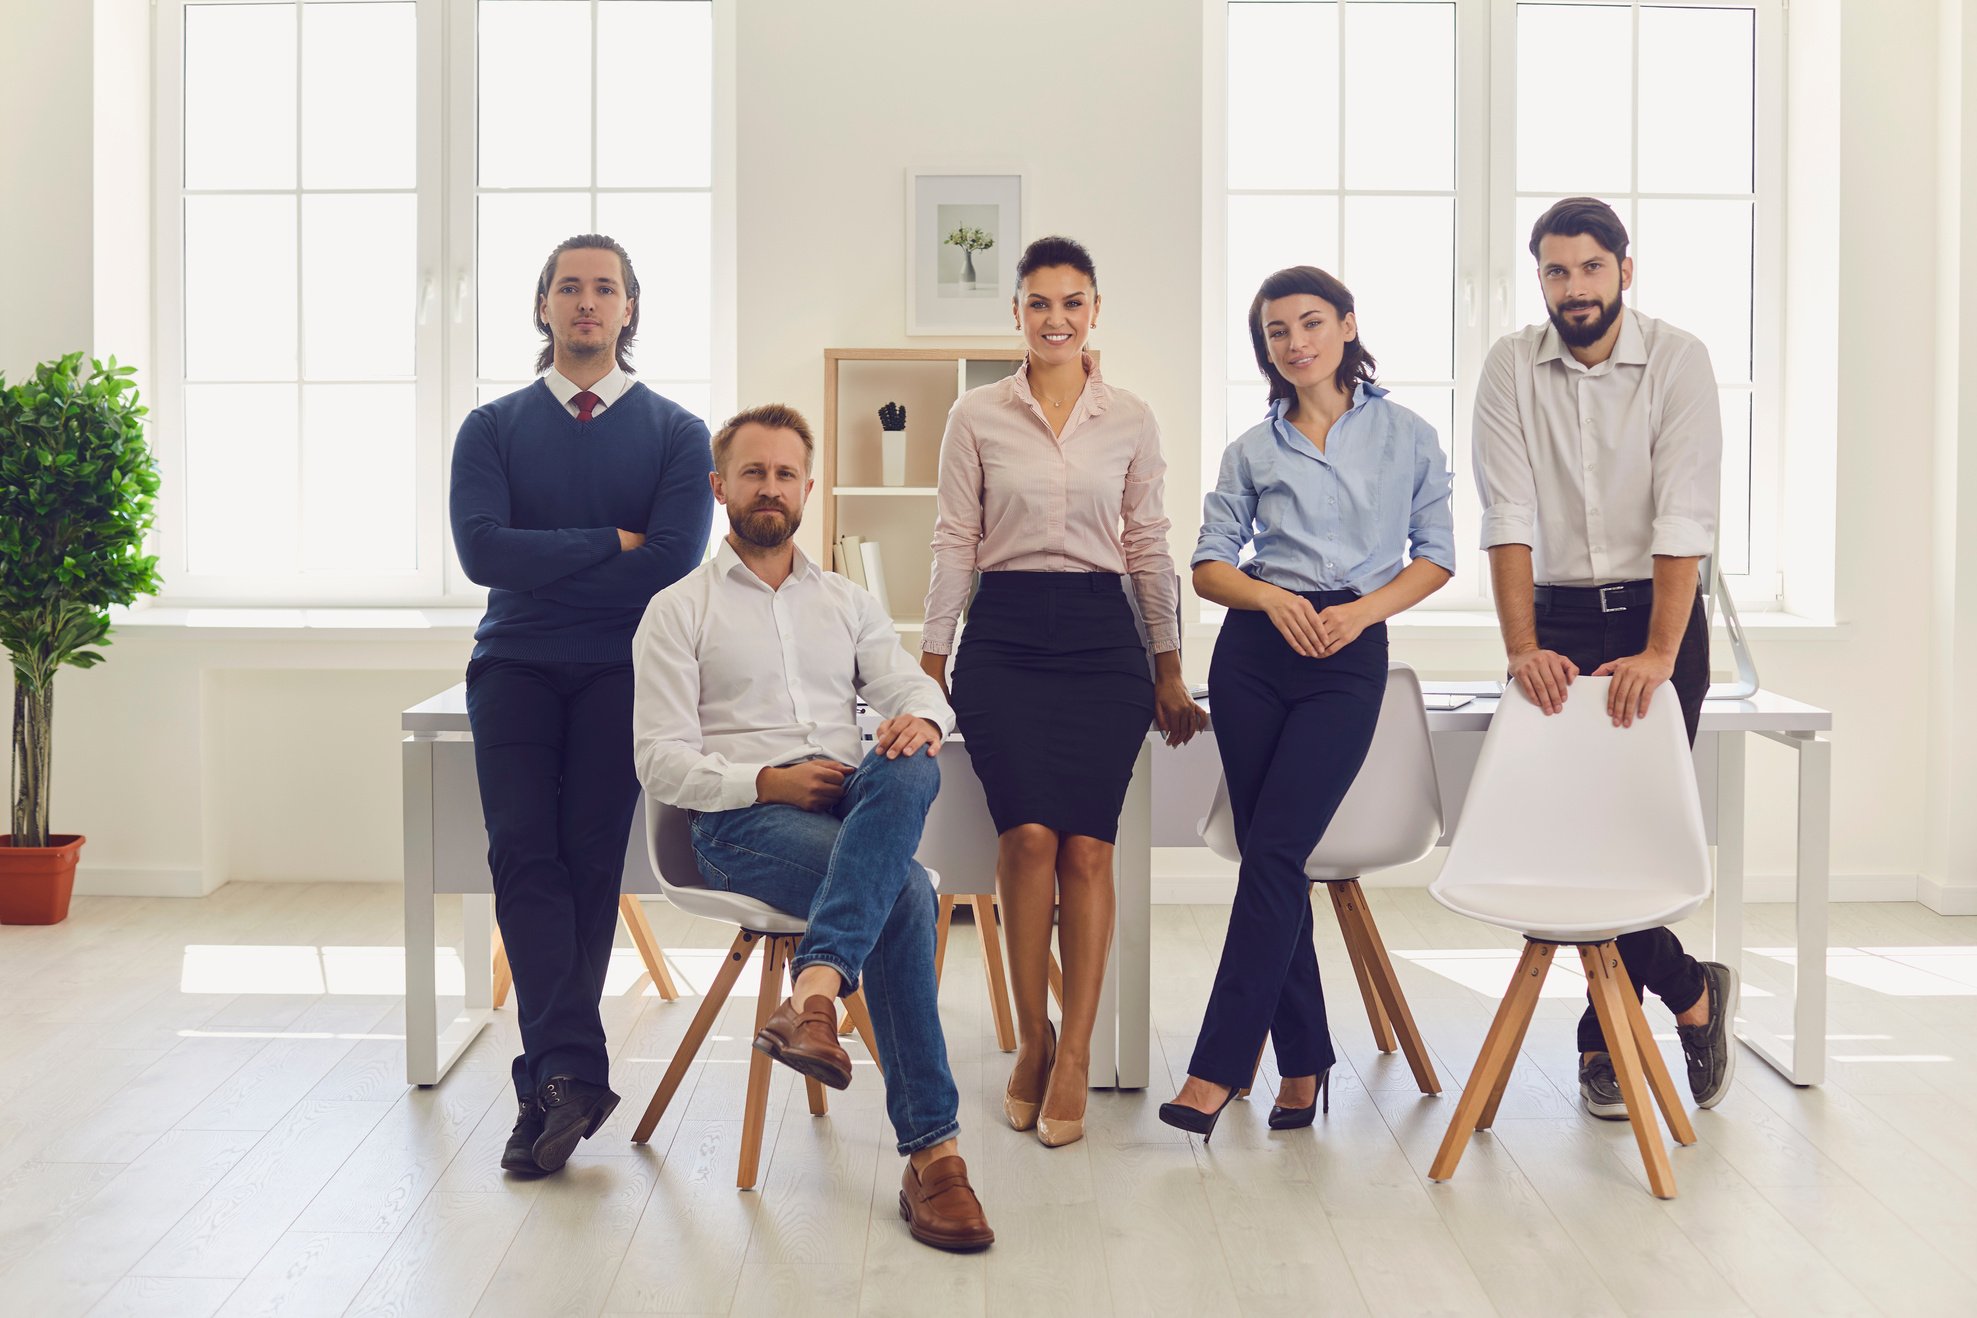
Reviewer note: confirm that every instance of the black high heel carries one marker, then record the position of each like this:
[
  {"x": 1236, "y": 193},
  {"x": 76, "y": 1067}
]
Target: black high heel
[
  {"x": 1192, "y": 1119},
  {"x": 1297, "y": 1118}
]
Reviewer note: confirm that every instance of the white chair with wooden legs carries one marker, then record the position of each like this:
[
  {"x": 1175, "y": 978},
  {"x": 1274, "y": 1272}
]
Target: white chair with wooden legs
[
  {"x": 1574, "y": 833},
  {"x": 669, "y": 836},
  {"x": 643, "y": 938},
  {"x": 1391, "y": 816}
]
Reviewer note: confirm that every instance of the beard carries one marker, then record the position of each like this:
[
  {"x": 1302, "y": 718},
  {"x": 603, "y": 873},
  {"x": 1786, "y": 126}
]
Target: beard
[
  {"x": 1586, "y": 334},
  {"x": 766, "y": 526}
]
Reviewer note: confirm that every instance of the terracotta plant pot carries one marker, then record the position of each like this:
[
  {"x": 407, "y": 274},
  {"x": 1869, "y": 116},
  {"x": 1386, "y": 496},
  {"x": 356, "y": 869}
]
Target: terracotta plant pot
[{"x": 35, "y": 882}]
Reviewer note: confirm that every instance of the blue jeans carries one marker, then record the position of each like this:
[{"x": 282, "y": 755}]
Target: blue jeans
[{"x": 870, "y": 905}]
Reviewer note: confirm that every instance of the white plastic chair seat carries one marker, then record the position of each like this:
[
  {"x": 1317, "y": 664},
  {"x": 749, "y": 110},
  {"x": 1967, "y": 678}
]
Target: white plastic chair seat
[
  {"x": 1567, "y": 913},
  {"x": 1392, "y": 813}
]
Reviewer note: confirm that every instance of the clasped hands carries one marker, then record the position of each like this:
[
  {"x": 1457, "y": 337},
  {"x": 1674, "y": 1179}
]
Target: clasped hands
[
  {"x": 1544, "y": 675},
  {"x": 1316, "y": 633},
  {"x": 818, "y": 785}
]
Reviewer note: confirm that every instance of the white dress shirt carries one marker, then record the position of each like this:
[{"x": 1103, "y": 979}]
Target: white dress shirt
[
  {"x": 733, "y": 677},
  {"x": 608, "y": 390},
  {"x": 1599, "y": 469}
]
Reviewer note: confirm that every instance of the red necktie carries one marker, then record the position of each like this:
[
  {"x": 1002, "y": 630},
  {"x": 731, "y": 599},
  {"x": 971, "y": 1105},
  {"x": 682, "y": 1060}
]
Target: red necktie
[{"x": 586, "y": 404}]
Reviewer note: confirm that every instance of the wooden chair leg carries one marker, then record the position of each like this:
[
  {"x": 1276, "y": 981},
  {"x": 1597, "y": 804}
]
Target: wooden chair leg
[
  {"x": 1600, "y": 960},
  {"x": 649, "y": 950},
  {"x": 696, "y": 1033},
  {"x": 819, "y": 1105},
  {"x": 944, "y": 917},
  {"x": 998, "y": 983},
  {"x": 755, "y": 1111},
  {"x": 1381, "y": 968},
  {"x": 1376, "y": 1015},
  {"x": 1658, "y": 1079},
  {"x": 1057, "y": 983},
  {"x": 1256, "y": 1070},
  {"x": 1512, "y": 1016},
  {"x": 1502, "y": 1082},
  {"x": 504, "y": 978},
  {"x": 860, "y": 1018}
]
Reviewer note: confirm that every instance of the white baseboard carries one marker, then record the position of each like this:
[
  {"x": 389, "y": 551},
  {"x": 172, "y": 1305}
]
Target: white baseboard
[
  {"x": 1947, "y": 898},
  {"x": 1197, "y": 876},
  {"x": 132, "y": 881}
]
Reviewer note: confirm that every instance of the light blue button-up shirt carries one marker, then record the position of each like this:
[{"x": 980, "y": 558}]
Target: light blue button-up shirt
[{"x": 1339, "y": 520}]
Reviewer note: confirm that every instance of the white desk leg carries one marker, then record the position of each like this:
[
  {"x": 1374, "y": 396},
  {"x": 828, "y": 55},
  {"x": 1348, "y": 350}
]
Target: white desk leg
[
  {"x": 476, "y": 948},
  {"x": 1814, "y": 881},
  {"x": 1729, "y": 947},
  {"x": 421, "y": 978},
  {"x": 1132, "y": 943}
]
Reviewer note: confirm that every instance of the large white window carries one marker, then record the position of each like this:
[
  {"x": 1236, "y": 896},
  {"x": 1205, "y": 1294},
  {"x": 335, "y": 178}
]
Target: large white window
[
  {"x": 356, "y": 197},
  {"x": 1408, "y": 145}
]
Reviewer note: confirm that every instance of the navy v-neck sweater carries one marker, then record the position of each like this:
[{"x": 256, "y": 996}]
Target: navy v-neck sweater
[{"x": 537, "y": 500}]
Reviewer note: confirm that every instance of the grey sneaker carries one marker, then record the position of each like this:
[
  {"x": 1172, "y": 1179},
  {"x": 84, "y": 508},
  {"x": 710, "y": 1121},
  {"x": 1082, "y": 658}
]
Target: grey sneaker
[
  {"x": 1599, "y": 1092},
  {"x": 1711, "y": 1050}
]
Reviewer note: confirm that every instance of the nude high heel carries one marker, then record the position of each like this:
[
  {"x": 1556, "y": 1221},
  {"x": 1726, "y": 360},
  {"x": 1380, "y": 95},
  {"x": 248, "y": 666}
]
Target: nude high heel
[
  {"x": 1022, "y": 1113},
  {"x": 1056, "y": 1132}
]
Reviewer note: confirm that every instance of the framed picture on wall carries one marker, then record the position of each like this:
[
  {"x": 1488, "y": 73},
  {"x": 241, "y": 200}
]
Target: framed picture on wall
[{"x": 963, "y": 235}]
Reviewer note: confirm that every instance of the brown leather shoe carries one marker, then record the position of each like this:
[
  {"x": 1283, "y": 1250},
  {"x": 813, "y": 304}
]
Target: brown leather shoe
[
  {"x": 940, "y": 1207},
  {"x": 806, "y": 1041}
]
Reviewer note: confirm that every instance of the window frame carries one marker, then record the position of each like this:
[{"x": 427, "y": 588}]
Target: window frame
[
  {"x": 444, "y": 303},
  {"x": 1482, "y": 295}
]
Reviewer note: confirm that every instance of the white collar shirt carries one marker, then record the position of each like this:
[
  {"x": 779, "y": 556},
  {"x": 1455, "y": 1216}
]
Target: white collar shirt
[
  {"x": 1599, "y": 469},
  {"x": 608, "y": 390},
  {"x": 733, "y": 677}
]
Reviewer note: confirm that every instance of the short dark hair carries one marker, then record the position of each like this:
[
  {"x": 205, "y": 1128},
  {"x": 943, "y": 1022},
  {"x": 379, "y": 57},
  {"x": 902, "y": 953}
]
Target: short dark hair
[
  {"x": 1055, "y": 250},
  {"x": 776, "y": 416},
  {"x": 1355, "y": 366},
  {"x": 1577, "y": 215},
  {"x": 548, "y": 276}
]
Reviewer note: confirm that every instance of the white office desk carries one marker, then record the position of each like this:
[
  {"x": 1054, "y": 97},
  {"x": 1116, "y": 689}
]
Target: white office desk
[{"x": 446, "y": 852}]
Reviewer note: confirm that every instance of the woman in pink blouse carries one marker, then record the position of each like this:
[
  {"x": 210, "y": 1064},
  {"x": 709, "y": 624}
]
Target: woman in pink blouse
[{"x": 1050, "y": 487}]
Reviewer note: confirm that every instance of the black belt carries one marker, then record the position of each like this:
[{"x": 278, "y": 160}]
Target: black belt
[{"x": 1616, "y": 598}]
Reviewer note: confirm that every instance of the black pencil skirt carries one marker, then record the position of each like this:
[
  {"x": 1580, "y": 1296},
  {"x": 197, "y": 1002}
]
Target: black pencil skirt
[{"x": 1052, "y": 692}]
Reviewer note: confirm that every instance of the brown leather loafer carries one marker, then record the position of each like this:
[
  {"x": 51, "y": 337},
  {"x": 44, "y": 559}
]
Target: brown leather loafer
[
  {"x": 940, "y": 1207},
  {"x": 806, "y": 1041}
]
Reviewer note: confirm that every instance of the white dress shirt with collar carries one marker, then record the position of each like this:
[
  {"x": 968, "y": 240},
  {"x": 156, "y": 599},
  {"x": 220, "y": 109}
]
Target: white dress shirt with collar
[
  {"x": 1599, "y": 469},
  {"x": 608, "y": 390},
  {"x": 733, "y": 677}
]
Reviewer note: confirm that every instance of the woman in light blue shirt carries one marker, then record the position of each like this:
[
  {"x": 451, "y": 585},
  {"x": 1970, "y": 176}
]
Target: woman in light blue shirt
[{"x": 1344, "y": 495}]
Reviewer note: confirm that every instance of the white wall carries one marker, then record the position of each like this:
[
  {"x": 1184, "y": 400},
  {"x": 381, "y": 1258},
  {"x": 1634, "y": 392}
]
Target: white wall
[
  {"x": 47, "y": 274},
  {"x": 175, "y": 756}
]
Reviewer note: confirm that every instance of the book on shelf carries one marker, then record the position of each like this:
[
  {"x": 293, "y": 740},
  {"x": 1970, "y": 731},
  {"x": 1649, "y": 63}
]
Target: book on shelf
[
  {"x": 875, "y": 573},
  {"x": 850, "y": 558}
]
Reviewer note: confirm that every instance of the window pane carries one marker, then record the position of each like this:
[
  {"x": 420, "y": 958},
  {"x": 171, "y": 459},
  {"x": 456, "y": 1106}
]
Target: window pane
[
  {"x": 491, "y": 390},
  {"x": 1267, "y": 234},
  {"x": 359, "y": 485},
  {"x": 1400, "y": 265},
  {"x": 667, "y": 235},
  {"x": 1733, "y": 517},
  {"x": 1697, "y": 67},
  {"x": 1283, "y": 130},
  {"x": 518, "y": 231},
  {"x": 1574, "y": 83},
  {"x": 1527, "y": 295},
  {"x": 534, "y": 92},
  {"x": 1400, "y": 96},
  {"x": 1248, "y": 405},
  {"x": 240, "y": 288},
  {"x": 655, "y": 80},
  {"x": 359, "y": 285},
  {"x": 1692, "y": 267},
  {"x": 240, "y": 471},
  {"x": 360, "y": 109},
  {"x": 240, "y": 96}
]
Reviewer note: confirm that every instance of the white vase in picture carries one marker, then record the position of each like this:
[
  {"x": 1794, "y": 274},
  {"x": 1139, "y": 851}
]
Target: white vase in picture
[{"x": 893, "y": 456}]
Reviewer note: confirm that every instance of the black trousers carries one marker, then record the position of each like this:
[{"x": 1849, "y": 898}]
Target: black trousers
[
  {"x": 553, "y": 749},
  {"x": 1654, "y": 957},
  {"x": 1292, "y": 733}
]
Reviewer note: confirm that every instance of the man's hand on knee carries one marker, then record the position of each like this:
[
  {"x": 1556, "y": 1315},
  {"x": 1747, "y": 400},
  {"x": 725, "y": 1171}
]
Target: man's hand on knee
[{"x": 903, "y": 734}]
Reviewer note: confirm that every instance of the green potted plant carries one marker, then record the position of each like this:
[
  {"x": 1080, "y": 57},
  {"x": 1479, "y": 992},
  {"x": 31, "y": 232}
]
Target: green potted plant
[{"x": 77, "y": 488}]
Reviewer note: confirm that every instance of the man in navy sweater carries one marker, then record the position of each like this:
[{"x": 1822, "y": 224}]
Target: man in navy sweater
[{"x": 574, "y": 501}]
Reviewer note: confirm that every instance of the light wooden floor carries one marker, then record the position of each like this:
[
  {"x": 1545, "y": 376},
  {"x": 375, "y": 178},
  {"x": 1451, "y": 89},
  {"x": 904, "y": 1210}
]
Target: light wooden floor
[{"x": 202, "y": 1112}]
